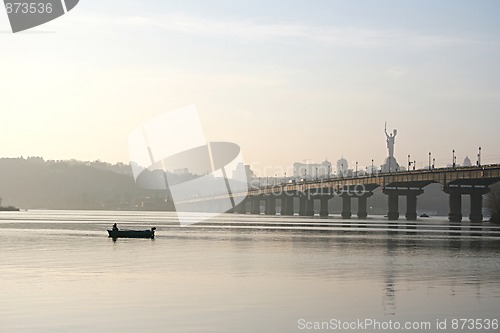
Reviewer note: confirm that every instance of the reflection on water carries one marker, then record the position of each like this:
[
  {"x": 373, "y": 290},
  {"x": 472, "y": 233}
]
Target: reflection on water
[{"x": 60, "y": 272}]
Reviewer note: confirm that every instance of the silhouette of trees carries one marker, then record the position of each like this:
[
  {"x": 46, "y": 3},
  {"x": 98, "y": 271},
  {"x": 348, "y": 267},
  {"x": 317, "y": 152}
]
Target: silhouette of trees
[{"x": 494, "y": 203}]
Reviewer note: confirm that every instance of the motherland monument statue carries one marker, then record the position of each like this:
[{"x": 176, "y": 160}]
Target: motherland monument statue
[{"x": 391, "y": 165}]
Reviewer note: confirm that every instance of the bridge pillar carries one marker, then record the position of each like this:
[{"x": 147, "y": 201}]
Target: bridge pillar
[
  {"x": 476, "y": 204},
  {"x": 455, "y": 214},
  {"x": 302, "y": 205},
  {"x": 255, "y": 205},
  {"x": 309, "y": 206},
  {"x": 241, "y": 208},
  {"x": 362, "y": 205},
  {"x": 287, "y": 205},
  {"x": 346, "y": 206},
  {"x": 393, "y": 213},
  {"x": 323, "y": 210},
  {"x": 271, "y": 205},
  {"x": 476, "y": 207},
  {"x": 411, "y": 204}
]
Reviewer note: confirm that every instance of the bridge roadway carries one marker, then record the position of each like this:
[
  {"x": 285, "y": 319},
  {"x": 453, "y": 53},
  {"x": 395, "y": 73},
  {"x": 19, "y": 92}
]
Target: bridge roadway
[{"x": 473, "y": 181}]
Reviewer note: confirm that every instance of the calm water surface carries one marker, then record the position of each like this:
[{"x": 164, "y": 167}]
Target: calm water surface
[{"x": 61, "y": 273}]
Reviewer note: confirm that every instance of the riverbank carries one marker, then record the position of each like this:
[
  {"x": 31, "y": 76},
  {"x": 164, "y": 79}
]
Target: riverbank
[{"x": 9, "y": 209}]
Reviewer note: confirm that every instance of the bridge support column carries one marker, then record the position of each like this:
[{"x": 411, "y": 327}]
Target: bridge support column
[
  {"x": 346, "y": 206},
  {"x": 476, "y": 204},
  {"x": 255, "y": 205},
  {"x": 286, "y": 205},
  {"x": 411, "y": 202},
  {"x": 362, "y": 205},
  {"x": 271, "y": 205},
  {"x": 393, "y": 213},
  {"x": 302, "y": 205},
  {"x": 241, "y": 208},
  {"x": 323, "y": 210},
  {"x": 411, "y": 205},
  {"x": 455, "y": 214},
  {"x": 309, "y": 206},
  {"x": 476, "y": 207}
]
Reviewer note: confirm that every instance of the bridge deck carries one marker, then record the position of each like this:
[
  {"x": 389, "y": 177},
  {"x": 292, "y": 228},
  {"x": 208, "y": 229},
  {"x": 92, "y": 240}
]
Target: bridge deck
[{"x": 461, "y": 176}]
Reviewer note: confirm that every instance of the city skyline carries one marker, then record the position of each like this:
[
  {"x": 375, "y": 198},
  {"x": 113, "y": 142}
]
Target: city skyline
[{"x": 286, "y": 81}]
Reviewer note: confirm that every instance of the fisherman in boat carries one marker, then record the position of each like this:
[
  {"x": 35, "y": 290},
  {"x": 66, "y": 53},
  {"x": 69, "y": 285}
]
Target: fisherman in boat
[{"x": 115, "y": 227}]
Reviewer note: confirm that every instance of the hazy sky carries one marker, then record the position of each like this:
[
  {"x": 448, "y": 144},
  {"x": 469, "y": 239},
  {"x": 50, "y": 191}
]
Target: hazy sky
[{"x": 286, "y": 80}]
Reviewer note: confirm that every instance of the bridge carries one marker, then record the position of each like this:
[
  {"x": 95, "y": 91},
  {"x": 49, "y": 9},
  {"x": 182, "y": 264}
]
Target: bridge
[{"x": 457, "y": 181}]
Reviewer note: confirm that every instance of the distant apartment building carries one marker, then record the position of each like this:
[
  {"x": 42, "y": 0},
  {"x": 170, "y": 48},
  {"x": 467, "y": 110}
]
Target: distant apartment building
[
  {"x": 342, "y": 166},
  {"x": 243, "y": 171},
  {"x": 312, "y": 170}
]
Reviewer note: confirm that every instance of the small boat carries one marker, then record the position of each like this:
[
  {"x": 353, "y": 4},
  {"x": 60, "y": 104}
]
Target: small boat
[
  {"x": 132, "y": 233},
  {"x": 424, "y": 215}
]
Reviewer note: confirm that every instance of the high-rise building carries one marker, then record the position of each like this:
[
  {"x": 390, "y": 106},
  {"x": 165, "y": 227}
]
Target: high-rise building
[
  {"x": 312, "y": 170},
  {"x": 342, "y": 166}
]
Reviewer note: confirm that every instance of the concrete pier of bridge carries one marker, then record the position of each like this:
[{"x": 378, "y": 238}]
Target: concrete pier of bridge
[
  {"x": 361, "y": 193},
  {"x": 362, "y": 198},
  {"x": 306, "y": 204},
  {"x": 363, "y": 204},
  {"x": 475, "y": 192},
  {"x": 241, "y": 208},
  {"x": 287, "y": 205},
  {"x": 323, "y": 206},
  {"x": 255, "y": 202},
  {"x": 346, "y": 205},
  {"x": 270, "y": 205},
  {"x": 411, "y": 202}
]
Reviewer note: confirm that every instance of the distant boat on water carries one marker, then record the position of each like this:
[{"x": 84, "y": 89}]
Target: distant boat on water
[{"x": 132, "y": 233}]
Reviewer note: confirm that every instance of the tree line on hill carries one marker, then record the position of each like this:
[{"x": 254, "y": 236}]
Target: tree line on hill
[{"x": 34, "y": 183}]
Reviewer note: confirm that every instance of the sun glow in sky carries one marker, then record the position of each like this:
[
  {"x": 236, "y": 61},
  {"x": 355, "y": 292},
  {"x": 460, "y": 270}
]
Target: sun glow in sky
[{"x": 286, "y": 80}]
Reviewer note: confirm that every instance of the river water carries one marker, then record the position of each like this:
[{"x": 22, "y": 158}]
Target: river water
[{"x": 60, "y": 272}]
